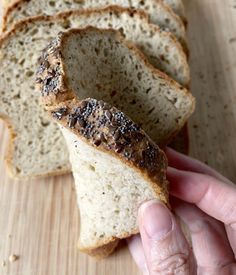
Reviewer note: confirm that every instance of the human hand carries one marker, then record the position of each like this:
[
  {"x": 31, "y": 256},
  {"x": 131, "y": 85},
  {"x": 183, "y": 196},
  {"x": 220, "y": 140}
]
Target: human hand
[{"x": 206, "y": 202}]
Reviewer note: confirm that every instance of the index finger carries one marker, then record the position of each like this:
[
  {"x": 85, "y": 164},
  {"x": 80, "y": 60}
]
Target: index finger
[
  {"x": 186, "y": 163},
  {"x": 214, "y": 197}
]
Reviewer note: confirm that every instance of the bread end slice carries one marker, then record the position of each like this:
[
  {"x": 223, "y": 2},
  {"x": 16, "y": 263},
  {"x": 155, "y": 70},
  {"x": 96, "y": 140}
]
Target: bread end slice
[{"x": 116, "y": 167}]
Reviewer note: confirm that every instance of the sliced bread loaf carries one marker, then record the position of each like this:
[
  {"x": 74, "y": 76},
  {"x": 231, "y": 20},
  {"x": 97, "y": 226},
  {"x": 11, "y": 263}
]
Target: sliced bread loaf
[
  {"x": 159, "y": 13},
  {"x": 36, "y": 139},
  {"x": 116, "y": 167},
  {"x": 101, "y": 64}
]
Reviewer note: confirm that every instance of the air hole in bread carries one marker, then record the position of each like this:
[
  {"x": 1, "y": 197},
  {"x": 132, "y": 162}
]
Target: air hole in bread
[
  {"x": 52, "y": 3},
  {"x": 34, "y": 32},
  {"x": 66, "y": 24},
  {"x": 45, "y": 123},
  {"x": 92, "y": 168},
  {"x": 29, "y": 73}
]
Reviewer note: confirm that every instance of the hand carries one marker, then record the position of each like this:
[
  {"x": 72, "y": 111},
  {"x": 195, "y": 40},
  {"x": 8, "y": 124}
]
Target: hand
[{"x": 206, "y": 202}]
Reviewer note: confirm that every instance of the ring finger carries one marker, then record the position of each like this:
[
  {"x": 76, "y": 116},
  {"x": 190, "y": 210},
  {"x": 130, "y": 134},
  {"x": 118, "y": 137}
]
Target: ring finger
[{"x": 209, "y": 240}]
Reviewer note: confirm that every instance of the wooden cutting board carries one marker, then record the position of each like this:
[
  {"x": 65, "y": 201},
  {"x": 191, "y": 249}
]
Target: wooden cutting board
[{"x": 39, "y": 219}]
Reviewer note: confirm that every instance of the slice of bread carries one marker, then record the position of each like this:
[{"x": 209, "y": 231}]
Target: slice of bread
[
  {"x": 101, "y": 64},
  {"x": 158, "y": 12},
  {"x": 116, "y": 167},
  {"x": 36, "y": 139},
  {"x": 161, "y": 48},
  {"x": 177, "y": 6}
]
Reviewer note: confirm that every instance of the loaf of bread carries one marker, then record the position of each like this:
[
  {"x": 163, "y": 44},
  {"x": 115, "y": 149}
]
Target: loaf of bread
[
  {"x": 158, "y": 12},
  {"x": 33, "y": 133},
  {"x": 116, "y": 167}
]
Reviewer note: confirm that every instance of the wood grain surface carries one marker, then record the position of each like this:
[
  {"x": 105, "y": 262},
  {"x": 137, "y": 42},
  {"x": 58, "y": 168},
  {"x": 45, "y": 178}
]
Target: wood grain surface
[{"x": 39, "y": 219}]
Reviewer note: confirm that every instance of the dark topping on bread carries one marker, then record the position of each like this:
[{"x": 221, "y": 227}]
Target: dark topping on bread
[
  {"x": 72, "y": 121},
  {"x": 83, "y": 104},
  {"x": 50, "y": 85},
  {"x": 81, "y": 122},
  {"x": 48, "y": 73},
  {"x": 117, "y": 135},
  {"x": 97, "y": 142},
  {"x": 102, "y": 137},
  {"x": 106, "y": 127},
  {"x": 108, "y": 114},
  {"x": 60, "y": 113}
]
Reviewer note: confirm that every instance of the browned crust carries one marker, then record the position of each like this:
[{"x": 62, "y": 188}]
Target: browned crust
[
  {"x": 101, "y": 252},
  {"x": 52, "y": 80},
  {"x": 64, "y": 15},
  {"x": 20, "y": 3},
  {"x": 114, "y": 9},
  {"x": 183, "y": 49},
  {"x": 110, "y": 130}
]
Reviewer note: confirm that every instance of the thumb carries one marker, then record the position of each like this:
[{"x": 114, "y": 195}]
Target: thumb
[{"x": 165, "y": 247}]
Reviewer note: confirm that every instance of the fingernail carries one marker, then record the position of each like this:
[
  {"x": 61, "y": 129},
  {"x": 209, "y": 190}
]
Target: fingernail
[{"x": 156, "y": 219}]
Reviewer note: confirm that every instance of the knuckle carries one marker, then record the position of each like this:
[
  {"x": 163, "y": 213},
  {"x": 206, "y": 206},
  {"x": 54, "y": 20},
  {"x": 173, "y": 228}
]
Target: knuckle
[{"x": 174, "y": 264}]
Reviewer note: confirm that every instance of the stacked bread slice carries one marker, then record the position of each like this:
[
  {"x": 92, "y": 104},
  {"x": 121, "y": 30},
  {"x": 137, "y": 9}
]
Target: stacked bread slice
[
  {"x": 142, "y": 74},
  {"x": 158, "y": 12}
]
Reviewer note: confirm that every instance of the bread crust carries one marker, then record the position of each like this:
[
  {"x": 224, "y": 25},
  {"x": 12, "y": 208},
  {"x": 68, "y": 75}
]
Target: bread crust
[
  {"x": 89, "y": 120},
  {"x": 93, "y": 121},
  {"x": 182, "y": 49},
  {"x": 18, "y": 4},
  {"x": 101, "y": 252}
]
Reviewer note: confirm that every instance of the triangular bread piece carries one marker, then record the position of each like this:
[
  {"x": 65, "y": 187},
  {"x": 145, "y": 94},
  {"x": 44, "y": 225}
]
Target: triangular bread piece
[
  {"x": 158, "y": 12},
  {"x": 116, "y": 167},
  {"x": 101, "y": 64},
  {"x": 37, "y": 144}
]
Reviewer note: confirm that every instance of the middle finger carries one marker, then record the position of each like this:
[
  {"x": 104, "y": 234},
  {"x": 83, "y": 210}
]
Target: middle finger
[{"x": 209, "y": 240}]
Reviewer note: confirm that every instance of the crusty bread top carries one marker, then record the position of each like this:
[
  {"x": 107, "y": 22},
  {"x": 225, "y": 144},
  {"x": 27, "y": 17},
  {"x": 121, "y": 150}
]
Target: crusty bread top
[
  {"x": 167, "y": 19},
  {"x": 161, "y": 48},
  {"x": 110, "y": 130},
  {"x": 51, "y": 78}
]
